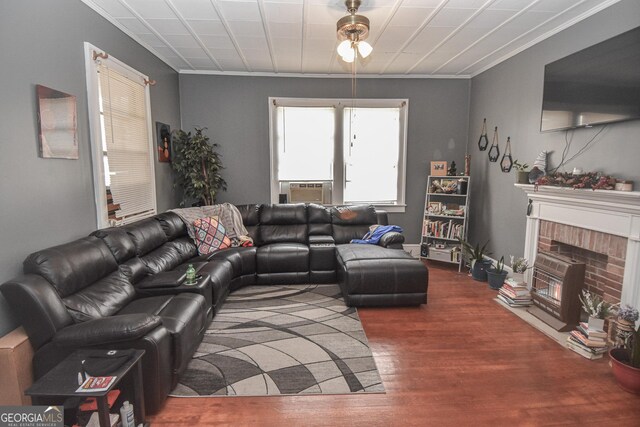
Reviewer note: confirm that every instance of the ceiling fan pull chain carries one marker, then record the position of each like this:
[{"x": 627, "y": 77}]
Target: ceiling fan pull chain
[
  {"x": 507, "y": 161},
  {"x": 494, "y": 147},
  {"x": 483, "y": 142}
]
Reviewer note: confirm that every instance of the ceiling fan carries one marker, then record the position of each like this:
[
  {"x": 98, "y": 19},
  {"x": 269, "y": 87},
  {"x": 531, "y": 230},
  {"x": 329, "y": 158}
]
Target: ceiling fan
[{"x": 352, "y": 30}]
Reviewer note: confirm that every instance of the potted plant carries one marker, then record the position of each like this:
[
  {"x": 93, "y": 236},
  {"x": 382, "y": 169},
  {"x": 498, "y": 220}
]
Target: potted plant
[
  {"x": 596, "y": 308},
  {"x": 497, "y": 274},
  {"x": 476, "y": 258},
  {"x": 197, "y": 167},
  {"x": 519, "y": 266},
  {"x": 625, "y": 360},
  {"x": 522, "y": 172}
]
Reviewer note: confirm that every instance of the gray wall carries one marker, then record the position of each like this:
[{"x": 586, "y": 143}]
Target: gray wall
[
  {"x": 235, "y": 111},
  {"x": 510, "y": 97},
  {"x": 44, "y": 202}
]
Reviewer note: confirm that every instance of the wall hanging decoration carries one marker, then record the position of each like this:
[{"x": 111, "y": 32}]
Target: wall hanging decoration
[
  {"x": 483, "y": 142},
  {"x": 467, "y": 164},
  {"x": 494, "y": 151},
  {"x": 439, "y": 168},
  {"x": 57, "y": 119},
  {"x": 163, "y": 138},
  {"x": 507, "y": 161}
]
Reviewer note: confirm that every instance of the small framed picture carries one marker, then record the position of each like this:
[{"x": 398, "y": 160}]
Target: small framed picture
[
  {"x": 163, "y": 135},
  {"x": 439, "y": 168},
  {"x": 434, "y": 208}
]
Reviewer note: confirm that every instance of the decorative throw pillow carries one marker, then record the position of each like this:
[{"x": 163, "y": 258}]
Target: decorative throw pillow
[{"x": 210, "y": 235}]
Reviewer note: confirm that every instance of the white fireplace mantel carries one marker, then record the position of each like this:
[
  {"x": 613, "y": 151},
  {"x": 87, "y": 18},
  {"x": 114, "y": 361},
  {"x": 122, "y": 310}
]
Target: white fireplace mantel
[{"x": 613, "y": 212}]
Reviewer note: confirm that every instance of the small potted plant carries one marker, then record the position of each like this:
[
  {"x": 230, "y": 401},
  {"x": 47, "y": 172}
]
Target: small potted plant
[
  {"x": 476, "y": 257},
  {"x": 522, "y": 172},
  {"x": 497, "y": 274},
  {"x": 625, "y": 360},
  {"x": 596, "y": 308},
  {"x": 519, "y": 266}
]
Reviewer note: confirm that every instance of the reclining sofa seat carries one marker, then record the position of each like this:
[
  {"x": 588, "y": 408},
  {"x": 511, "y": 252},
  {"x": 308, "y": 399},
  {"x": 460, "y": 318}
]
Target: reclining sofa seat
[{"x": 74, "y": 295}]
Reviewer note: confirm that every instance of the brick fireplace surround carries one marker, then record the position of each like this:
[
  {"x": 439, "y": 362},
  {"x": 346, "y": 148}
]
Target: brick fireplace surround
[{"x": 600, "y": 228}]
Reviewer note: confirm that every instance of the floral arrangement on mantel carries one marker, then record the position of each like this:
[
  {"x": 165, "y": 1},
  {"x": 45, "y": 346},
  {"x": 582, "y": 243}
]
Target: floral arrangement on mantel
[
  {"x": 595, "y": 306},
  {"x": 593, "y": 180}
]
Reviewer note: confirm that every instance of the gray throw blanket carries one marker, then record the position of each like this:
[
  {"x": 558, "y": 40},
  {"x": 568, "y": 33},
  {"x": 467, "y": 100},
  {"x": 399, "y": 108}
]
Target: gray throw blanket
[{"x": 228, "y": 215}]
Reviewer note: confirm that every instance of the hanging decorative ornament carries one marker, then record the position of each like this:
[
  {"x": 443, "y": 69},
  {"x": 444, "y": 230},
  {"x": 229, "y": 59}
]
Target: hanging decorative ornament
[
  {"x": 467, "y": 165},
  {"x": 483, "y": 142},
  {"x": 507, "y": 161},
  {"x": 494, "y": 151}
]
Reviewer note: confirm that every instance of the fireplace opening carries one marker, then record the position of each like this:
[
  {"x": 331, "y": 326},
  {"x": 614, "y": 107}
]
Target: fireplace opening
[{"x": 555, "y": 289}]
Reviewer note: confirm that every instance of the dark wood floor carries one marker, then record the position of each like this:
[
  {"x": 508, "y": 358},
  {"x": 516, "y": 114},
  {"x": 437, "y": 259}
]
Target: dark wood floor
[{"x": 460, "y": 360}]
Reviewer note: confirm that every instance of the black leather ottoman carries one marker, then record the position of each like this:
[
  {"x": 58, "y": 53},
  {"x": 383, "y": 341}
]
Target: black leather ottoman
[{"x": 370, "y": 275}]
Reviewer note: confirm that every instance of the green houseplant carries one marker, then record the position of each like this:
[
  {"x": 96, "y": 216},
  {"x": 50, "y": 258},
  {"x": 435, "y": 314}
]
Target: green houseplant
[
  {"x": 197, "y": 166},
  {"x": 522, "y": 172},
  {"x": 625, "y": 360},
  {"x": 476, "y": 257},
  {"x": 497, "y": 274}
]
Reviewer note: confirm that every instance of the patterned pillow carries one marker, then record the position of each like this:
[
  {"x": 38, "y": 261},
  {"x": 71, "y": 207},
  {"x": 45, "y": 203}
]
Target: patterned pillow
[{"x": 210, "y": 235}]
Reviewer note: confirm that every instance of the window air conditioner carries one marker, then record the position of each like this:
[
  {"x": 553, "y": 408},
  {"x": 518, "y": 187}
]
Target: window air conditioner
[{"x": 306, "y": 192}]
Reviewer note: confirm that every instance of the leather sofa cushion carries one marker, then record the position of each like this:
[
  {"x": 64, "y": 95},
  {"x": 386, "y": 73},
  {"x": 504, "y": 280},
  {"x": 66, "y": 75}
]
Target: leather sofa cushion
[
  {"x": 106, "y": 331},
  {"x": 146, "y": 235},
  {"x": 352, "y": 222},
  {"x": 164, "y": 258},
  {"x": 243, "y": 260},
  {"x": 103, "y": 298},
  {"x": 220, "y": 276},
  {"x": 282, "y": 258},
  {"x": 185, "y": 247},
  {"x": 172, "y": 225},
  {"x": 251, "y": 218},
  {"x": 283, "y": 223},
  {"x": 319, "y": 220},
  {"x": 118, "y": 242},
  {"x": 72, "y": 266},
  {"x": 283, "y": 234},
  {"x": 184, "y": 315}
]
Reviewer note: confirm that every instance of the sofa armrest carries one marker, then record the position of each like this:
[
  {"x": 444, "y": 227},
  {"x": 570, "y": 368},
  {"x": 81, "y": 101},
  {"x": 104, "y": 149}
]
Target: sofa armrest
[
  {"x": 126, "y": 327},
  {"x": 392, "y": 239}
]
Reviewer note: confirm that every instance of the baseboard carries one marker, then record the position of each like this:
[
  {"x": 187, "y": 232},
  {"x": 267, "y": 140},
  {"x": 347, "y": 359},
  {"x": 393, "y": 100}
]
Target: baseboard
[{"x": 412, "y": 249}]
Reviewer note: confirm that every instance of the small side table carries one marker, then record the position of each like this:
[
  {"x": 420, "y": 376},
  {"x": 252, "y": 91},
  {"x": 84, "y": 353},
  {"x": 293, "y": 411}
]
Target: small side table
[{"x": 62, "y": 381}]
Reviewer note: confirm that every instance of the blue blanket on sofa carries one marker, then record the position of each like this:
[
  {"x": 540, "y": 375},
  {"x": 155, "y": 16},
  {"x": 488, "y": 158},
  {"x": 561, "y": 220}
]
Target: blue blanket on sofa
[{"x": 376, "y": 232}]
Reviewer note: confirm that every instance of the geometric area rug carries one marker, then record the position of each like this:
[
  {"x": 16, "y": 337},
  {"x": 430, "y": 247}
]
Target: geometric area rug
[{"x": 282, "y": 340}]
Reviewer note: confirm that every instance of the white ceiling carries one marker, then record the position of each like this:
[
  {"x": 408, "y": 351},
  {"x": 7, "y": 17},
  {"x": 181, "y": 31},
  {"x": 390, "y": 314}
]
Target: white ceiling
[{"x": 410, "y": 38}]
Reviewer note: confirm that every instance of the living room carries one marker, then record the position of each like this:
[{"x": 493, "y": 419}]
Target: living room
[{"x": 48, "y": 202}]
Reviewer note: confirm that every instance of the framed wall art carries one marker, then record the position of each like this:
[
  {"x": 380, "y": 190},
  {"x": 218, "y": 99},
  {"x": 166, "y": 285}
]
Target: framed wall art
[
  {"x": 57, "y": 120},
  {"x": 439, "y": 168},
  {"x": 163, "y": 136}
]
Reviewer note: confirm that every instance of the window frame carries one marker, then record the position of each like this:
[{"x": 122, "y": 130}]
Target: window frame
[
  {"x": 96, "y": 136},
  {"x": 337, "y": 193}
]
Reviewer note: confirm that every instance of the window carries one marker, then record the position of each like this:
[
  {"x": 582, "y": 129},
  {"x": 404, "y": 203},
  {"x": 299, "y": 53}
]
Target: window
[
  {"x": 353, "y": 150},
  {"x": 122, "y": 149}
]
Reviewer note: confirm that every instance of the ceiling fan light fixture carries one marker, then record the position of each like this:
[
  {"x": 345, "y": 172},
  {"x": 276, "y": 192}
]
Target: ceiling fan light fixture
[
  {"x": 352, "y": 30},
  {"x": 364, "y": 49}
]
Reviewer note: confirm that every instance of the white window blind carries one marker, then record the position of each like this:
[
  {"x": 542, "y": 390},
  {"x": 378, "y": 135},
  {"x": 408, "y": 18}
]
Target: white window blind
[
  {"x": 121, "y": 141},
  {"x": 126, "y": 144}
]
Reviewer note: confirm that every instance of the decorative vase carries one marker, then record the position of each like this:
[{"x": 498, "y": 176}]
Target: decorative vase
[
  {"x": 496, "y": 280},
  {"x": 595, "y": 323},
  {"x": 627, "y": 376},
  {"x": 625, "y": 325},
  {"x": 522, "y": 177},
  {"x": 479, "y": 270}
]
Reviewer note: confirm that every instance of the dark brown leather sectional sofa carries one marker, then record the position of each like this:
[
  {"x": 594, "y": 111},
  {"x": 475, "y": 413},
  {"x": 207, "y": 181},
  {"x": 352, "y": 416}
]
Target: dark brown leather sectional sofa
[{"x": 93, "y": 292}]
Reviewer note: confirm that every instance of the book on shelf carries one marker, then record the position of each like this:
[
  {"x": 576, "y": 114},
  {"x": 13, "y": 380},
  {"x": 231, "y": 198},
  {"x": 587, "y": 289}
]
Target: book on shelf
[
  {"x": 589, "y": 342},
  {"x": 515, "y": 293},
  {"x": 442, "y": 229},
  {"x": 591, "y": 332},
  {"x": 92, "y": 384},
  {"x": 583, "y": 351}
]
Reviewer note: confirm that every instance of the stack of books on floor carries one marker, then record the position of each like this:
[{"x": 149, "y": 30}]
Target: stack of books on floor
[
  {"x": 515, "y": 294},
  {"x": 589, "y": 343}
]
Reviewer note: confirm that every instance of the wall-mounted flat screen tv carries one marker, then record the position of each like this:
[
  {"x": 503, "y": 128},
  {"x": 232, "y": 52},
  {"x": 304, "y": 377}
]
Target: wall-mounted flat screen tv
[{"x": 597, "y": 85}]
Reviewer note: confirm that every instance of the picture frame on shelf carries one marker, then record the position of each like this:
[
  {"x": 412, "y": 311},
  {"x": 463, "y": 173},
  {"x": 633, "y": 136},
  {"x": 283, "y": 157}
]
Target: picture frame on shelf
[
  {"x": 439, "y": 168},
  {"x": 434, "y": 208}
]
